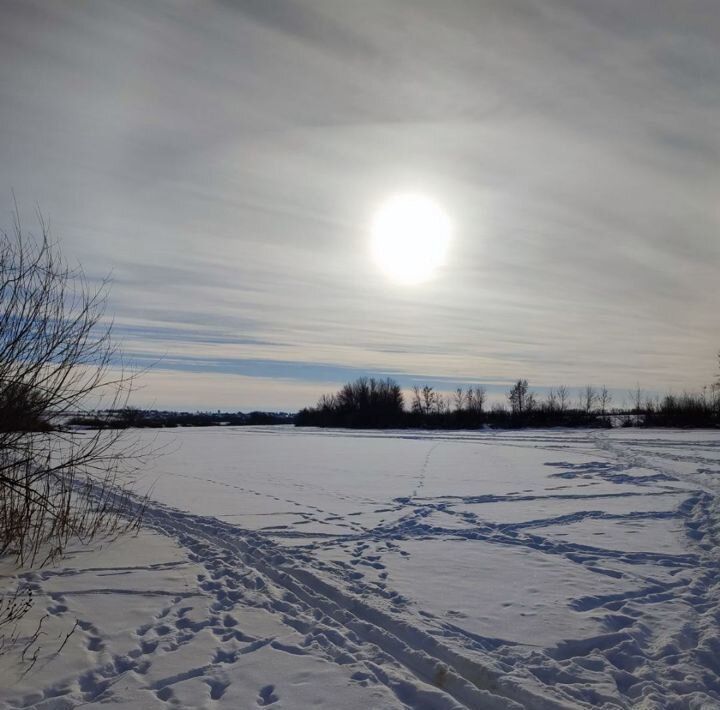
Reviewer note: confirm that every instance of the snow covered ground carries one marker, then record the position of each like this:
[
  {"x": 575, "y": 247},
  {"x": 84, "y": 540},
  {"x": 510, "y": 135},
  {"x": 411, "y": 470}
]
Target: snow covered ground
[{"x": 332, "y": 569}]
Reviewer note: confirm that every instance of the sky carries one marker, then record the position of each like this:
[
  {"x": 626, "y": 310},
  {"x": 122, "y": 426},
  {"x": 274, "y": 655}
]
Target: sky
[{"x": 223, "y": 162}]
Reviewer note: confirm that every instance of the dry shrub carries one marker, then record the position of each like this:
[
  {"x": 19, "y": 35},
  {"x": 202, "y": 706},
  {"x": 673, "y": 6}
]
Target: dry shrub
[{"x": 57, "y": 359}]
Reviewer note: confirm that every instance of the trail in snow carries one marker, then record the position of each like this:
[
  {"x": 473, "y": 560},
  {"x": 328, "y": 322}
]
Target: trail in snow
[{"x": 464, "y": 571}]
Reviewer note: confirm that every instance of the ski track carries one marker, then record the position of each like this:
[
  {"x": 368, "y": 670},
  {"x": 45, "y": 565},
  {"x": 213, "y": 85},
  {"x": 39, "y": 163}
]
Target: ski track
[{"x": 347, "y": 613}]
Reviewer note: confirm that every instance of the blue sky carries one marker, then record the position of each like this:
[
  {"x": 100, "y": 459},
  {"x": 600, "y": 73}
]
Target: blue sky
[{"x": 224, "y": 159}]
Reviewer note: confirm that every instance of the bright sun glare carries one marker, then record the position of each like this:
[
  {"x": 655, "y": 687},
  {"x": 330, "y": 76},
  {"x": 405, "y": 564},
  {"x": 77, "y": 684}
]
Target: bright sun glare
[{"x": 410, "y": 237}]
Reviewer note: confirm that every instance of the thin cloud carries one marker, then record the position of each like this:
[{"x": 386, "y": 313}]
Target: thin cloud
[{"x": 224, "y": 159}]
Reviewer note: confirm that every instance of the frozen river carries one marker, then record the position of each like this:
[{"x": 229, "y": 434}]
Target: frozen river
[{"x": 538, "y": 569}]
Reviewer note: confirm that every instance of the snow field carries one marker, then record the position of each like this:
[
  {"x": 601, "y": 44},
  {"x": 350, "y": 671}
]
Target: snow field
[{"x": 301, "y": 568}]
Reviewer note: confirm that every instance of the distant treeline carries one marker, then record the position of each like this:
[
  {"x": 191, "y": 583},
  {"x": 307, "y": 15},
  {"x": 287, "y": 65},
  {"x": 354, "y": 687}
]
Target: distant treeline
[
  {"x": 131, "y": 417},
  {"x": 369, "y": 403}
]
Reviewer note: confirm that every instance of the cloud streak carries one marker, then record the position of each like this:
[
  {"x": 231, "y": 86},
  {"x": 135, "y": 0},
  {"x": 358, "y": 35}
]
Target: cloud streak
[{"x": 224, "y": 159}]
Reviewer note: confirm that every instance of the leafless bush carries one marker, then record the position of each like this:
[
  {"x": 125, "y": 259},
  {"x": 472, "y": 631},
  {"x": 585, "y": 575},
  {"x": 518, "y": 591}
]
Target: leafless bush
[
  {"x": 14, "y": 604},
  {"x": 57, "y": 358}
]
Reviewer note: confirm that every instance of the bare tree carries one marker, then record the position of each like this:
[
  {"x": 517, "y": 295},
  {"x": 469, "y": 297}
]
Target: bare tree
[
  {"x": 476, "y": 400},
  {"x": 442, "y": 404},
  {"x": 605, "y": 398},
  {"x": 416, "y": 404},
  {"x": 479, "y": 397},
  {"x": 715, "y": 391},
  {"x": 521, "y": 400},
  {"x": 429, "y": 399},
  {"x": 530, "y": 402},
  {"x": 551, "y": 401},
  {"x": 57, "y": 358},
  {"x": 563, "y": 398},
  {"x": 715, "y": 398},
  {"x": 636, "y": 399},
  {"x": 588, "y": 398},
  {"x": 459, "y": 399},
  {"x": 327, "y": 402},
  {"x": 425, "y": 400}
]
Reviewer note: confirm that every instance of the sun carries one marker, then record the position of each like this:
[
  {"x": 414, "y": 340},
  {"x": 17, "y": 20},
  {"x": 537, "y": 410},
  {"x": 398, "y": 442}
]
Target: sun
[{"x": 410, "y": 238}]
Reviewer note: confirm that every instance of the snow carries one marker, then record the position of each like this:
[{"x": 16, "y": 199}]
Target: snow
[
  {"x": 294, "y": 568},
  {"x": 476, "y": 588}
]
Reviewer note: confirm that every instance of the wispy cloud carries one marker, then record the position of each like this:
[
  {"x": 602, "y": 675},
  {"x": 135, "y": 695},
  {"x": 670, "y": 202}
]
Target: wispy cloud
[{"x": 224, "y": 159}]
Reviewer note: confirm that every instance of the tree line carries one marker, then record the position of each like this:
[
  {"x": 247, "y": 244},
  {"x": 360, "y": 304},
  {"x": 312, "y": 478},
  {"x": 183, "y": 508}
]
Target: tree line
[
  {"x": 135, "y": 418},
  {"x": 380, "y": 403}
]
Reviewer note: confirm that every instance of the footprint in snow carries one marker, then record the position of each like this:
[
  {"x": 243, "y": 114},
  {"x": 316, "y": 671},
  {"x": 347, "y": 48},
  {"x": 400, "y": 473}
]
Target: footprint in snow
[
  {"x": 94, "y": 643},
  {"x": 267, "y": 696},
  {"x": 217, "y": 687},
  {"x": 165, "y": 694},
  {"x": 58, "y": 607},
  {"x": 455, "y": 614}
]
